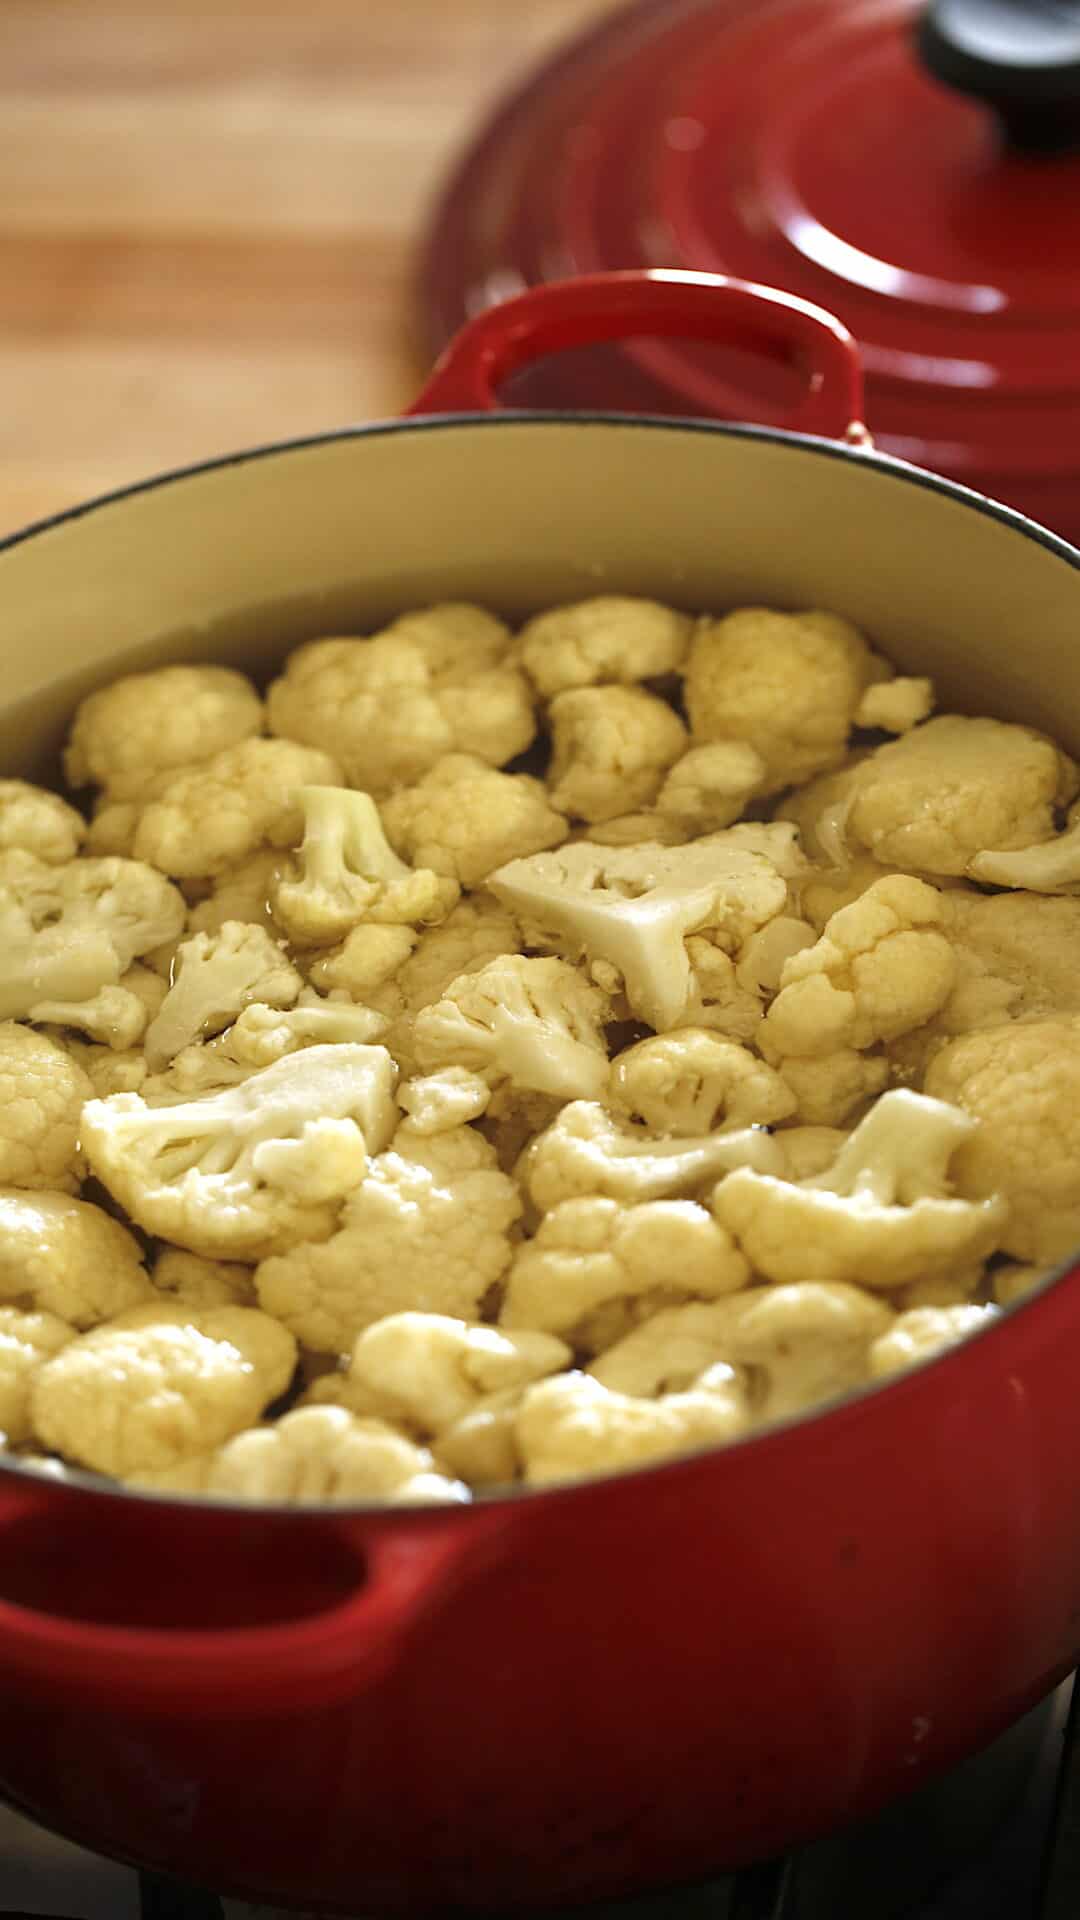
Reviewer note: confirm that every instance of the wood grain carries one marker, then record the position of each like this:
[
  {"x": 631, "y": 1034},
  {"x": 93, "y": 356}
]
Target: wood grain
[{"x": 208, "y": 217}]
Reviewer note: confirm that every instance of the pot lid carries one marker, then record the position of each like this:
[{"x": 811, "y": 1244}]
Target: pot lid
[{"x": 914, "y": 169}]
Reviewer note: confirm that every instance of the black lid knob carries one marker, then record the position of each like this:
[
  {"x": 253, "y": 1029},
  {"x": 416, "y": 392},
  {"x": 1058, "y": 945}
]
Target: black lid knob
[{"x": 1021, "y": 57}]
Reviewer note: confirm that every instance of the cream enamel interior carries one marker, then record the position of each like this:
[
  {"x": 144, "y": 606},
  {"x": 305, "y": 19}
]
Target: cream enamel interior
[{"x": 242, "y": 561}]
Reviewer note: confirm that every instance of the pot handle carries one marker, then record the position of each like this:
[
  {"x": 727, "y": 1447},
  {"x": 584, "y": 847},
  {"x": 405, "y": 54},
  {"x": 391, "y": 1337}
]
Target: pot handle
[{"x": 617, "y": 306}]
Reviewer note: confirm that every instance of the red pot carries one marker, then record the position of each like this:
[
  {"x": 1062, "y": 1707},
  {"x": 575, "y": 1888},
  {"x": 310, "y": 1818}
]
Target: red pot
[{"x": 641, "y": 1680}]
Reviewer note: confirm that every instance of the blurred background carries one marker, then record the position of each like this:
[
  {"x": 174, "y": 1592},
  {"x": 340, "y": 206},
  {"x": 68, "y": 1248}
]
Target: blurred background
[{"x": 209, "y": 216}]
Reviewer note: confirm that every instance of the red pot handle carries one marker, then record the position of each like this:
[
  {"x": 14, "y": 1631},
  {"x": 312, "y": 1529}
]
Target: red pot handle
[{"x": 617, "y": 306}]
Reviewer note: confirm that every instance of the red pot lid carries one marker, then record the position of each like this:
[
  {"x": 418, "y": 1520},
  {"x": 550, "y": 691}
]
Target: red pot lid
[{"x": 806, "y": 144}]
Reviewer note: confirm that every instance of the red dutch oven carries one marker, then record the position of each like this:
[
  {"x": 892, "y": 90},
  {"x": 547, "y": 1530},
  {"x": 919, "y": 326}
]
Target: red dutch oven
[{"x": 586, "y": 1690}]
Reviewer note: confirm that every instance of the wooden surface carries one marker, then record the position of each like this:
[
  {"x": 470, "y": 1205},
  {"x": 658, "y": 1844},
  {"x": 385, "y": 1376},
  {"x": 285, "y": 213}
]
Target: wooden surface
[{"x": 208, "y": 214}]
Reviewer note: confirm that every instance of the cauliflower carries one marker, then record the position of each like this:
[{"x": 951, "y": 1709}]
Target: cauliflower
[
  {"x": 588, "y": 1150},
  {"x": 71, "y": 931},
  {"x": 465, "y": 819},
  {"x": 27, "y": 1341},
  {"x": 64, "y": 1257},
  {"x": 208, "y": 819},
  {"x": 1011, "y": 1282},
  {"x": 633, "y": 829},
  {"x": 240, "y": 893},
  {"x": 589, "y": 1252},
  {"x": 194, "y": 1282},
  {"x": 937, "y": 796},
  {"x": 536, "y": 1024},
  {"x": 367, "y": 958},
  {"x": 389, "y": 707},
  {"x": 611, "y": 749},
  {"x": 672, "y": 1349},
  {"x": 428, "y": 1371},
  {"x": 264, "y": 1034},
  {"x": 895, "y": 706},
  {"x": 789, "y": 685},
  {"x": 951, "y": 1289},
  {"x": 42, "y": 1095},
  {"x": 820, "y": 810},
  {"x": 711, "y": 786},
  {"x": 312, "y": 1454},
  {"x": 1020, "y": 1085},
  {"x": 254, "y": 1168},
  {"x": 611, "y": 638},
  {"x": 38, "y": 822},
  {"x": 764, "y": 954},
  {"x": 427, "y": 1230},
  {"x": 216, "y": 976},
  {"x": 108, "y": 1069},
  {"x": 688, "y": 1081},
  {"x": 346, "y": 872},
  {"x": 829, "y": 1091},
  {"x": 882, "y": 1215},
  {"x": 160, "y": 1386},
  {"x": 630, "y": 910},
  {"x": 1052, "y": 866},
  {"x": 435, "y": 1102},
  {"x": 173, "y": 717},
  {"x": 881, "y": 967},
  {"x": 922, "y": 1332},
  {"x": 573, "y": 1426}
]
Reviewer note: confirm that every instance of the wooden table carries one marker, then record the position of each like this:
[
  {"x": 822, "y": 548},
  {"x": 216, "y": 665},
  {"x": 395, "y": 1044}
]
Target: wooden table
[{"x": 208, "y": 215}]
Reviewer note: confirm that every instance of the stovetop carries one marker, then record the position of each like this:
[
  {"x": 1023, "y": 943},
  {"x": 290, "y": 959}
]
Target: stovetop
[{"x": 998, "y": 1839}]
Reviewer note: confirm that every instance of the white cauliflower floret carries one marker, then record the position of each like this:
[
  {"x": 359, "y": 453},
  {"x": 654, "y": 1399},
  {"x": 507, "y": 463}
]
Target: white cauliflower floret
[
  {"x": 951, "y": 1289},
  {"x": 216, "y": 976},
  {"x": 1051, "y": 866},
  {"x": 672, "y": 1349},
  {"x": 570, "y": 1427},
  {"x": 68, "y": 932},
  {"x": 65, "y": 1257},
  {"x": 937, "y": 796},
  {"x": 145, "y": 723},
  {"x": 240, "y": 893},
  {"x": 634, "y": 829},
  {"x": 830, "y": 1091},
  {"x": 533, "y": 1023},
  {"x": 809, "y": 1150},
  {"x": 588, "y": 1252},
  {"x": 435, "y": 1102},
  {"x": 611, "y": 638},
  {"x": 895, "y": 706},
  {"x": 208, "y": 819},
  {"x": 712, "y": 786},
  {"x": 881, "y": 967},
  {"x": 27, "y": 1341},
  {"x": 194, "y": 1282},
  {"x": 465, "y": 819},
  {"x": 311, "y": 1455},
  {"x": 264, "y": 1034},
  {"x": 883, "y": 1214},
  {"x": 789, "y": 685},
  {"x": 1020, "y": 1085},
  {"x": 108, "y": 1069},
  {"x": 1011, "y": 1282},
  {"x": 690, "y": 1081},
  {"x": 431, "y": 1235},
  {"x": 38, "y": 822},
  {"x": 114, "y": 1018},
  {"x": 764, "y": 954},
  {"x": 346, "y": 871},
  {"x": 820, "y": 810},
  {"x": 368, "y": 957},
  {"x": 630, "y": 909},
  {"x": 587, "y": 1150},
  {"x": 42, "y": 1095},
  {"x": 160, "y": 1386},
  {"x": 256, "y": 1167},
  {"x": 611, "y": 747},
  {"x": 388, "y": 707},
  {"x": 924, "y": 1331},
  {"x": 428, "y": 1371}
]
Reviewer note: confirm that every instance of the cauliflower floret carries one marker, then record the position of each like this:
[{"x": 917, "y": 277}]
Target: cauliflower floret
[
  {"x": 688, "y": 1081},
  {"x": 38, "y": 822},
  {"x": 65, "y": 1257},
  {"x": 881, "y": 967},
  {"x": 27, "y": 1341},
  {"x": 1011, "y": 1282},
  {"x": 428, "y": 1234},
  {"x": 42, "y": 1095},
  {"x": 787, "y": 684},
  {"x": 829, "y": 1092},
  {"x": 264, "y": 1034},
  {"x": 536, "y": 1024},
  {"x": 254, "y": 1168},
  {"x": 465, "y": 819},
  {"x": 587, "y": 1150},
  {"x": 173, "y": 717},
  {"x": 209, "y": 818},
  {"x": 216, "y": 976},
  {"x": 611, "y": 747},
  {"x": 115, "y": 1017},
  {"x": 71, "y": 931},
  {"x": 635, "y": 829},
  {"x": 895, "y": 706},
  {"x": 609, "y": 638},
  {"x": 1052, "y": 866},
  {"x": 160, "y": 1386},
  {"x": 764, "y": 954},
  {"x": 712, "y": 786},
  {"x": 940, "y": 794},
  {"x": 311, "y": 1455},
  {"x": 1020, "y": 1085},
  {"x": 951, "y": 1289},
  {"x": 193, "y": 1282},
  {"x": 809, "y": 1150},
  {"x": 368, "y": 956},
  {"x": 428, "y": 1371},
  {"x": 435, "y": 1102},
  {"x": 922, "y": 1332},
  {"x": 109, "y": 1070},
  {"x": 881, "y": 1215},
  {"x": 570, "y": 1427},
  {"x": 820, "y": 810},
  {"x": 240, "y": 893},
  {"x": 630, "y": 910},
  {"x": 346, "y": 871},
  {"x": 588, "y": 1252},
  {"x": 388, "y": 707}
]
